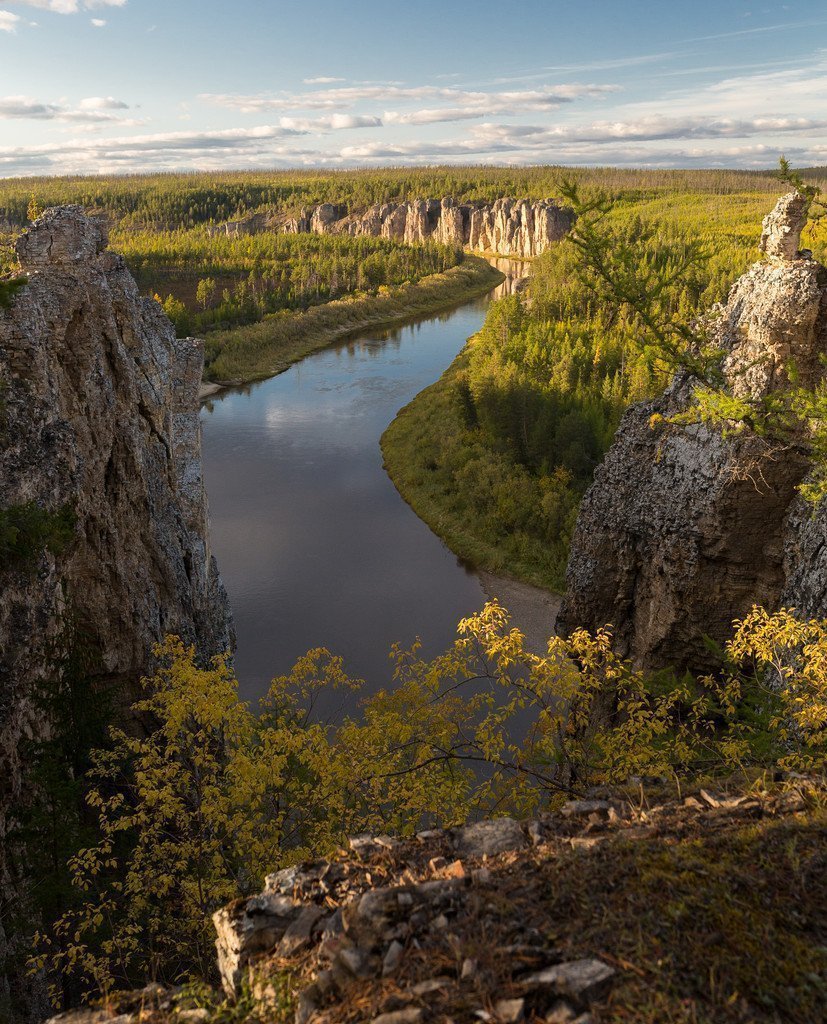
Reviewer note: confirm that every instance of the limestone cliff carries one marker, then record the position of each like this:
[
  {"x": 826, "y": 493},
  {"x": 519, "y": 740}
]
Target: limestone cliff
[
  {"x": 507, "y": 227},
  {"x": 683, "y": 530},
  {"x": 100, "y": 414}
]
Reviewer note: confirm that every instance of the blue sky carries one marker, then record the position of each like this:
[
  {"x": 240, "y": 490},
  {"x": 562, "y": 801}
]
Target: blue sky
[{"x": 109, "y": 86}]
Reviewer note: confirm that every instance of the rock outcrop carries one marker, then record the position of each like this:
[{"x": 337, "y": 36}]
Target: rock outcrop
[
  {"x": 100, "y": 415},
  {"x": 507, "y": 227},
  {"x": 683, "y": 530}
]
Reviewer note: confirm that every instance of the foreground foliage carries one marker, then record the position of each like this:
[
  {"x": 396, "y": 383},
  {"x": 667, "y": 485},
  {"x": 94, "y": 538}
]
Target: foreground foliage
[{"x": 196, "y": 812}]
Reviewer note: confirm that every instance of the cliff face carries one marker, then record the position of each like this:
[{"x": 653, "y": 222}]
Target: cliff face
[
  {"x": 684, "y": 530},
  {"x": 100, "y": 413},
  {"x": 508, "y": 227}
]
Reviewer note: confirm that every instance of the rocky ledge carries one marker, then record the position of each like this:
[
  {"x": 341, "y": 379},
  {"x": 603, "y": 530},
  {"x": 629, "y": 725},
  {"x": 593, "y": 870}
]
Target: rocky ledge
[
  {"x": 683, "y": 530},
  {"x": 507, "y": 227},
  {"x": 486, "y": 922}
]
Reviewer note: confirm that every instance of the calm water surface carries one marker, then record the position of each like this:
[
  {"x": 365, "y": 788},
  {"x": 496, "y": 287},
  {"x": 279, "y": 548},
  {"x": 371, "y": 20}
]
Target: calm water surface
[{"x": 315, "y": 545}]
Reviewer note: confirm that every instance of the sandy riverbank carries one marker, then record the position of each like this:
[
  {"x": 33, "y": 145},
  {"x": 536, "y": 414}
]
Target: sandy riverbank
[{"x": 533, "y": 610}]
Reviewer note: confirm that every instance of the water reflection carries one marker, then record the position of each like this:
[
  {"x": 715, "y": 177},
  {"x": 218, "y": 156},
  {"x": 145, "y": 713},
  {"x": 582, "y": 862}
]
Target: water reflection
[
  {"x": 516, "y": 276},
  {"x": 315, "y": 544}
]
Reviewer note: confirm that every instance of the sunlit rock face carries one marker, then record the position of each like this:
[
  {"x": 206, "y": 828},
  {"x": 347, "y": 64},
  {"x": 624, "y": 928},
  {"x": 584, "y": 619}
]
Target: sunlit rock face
[
  {"x": 683, "y": 530},
  {"x": 99, "y": 413},
  {"x": 507, "y": 227}
]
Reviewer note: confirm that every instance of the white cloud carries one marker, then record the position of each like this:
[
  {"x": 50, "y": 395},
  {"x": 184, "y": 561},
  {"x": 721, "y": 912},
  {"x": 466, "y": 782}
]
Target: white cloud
[
  {"x": 744, "y": 119},
  {"x": 321, "y": 80},
  {"x": 69, "y": 6},
  {"x": 476, "y": 103},
  {"x": 334, "y": 122},
  {"x": 283, "y": 145},
  {"x": 98, "y": 22},
  {"x": 102, "y": 103},
  {"x": 650, "y": 129},
  {"x": 94, "y": 110},
  {"x": 8, "y": 21}
]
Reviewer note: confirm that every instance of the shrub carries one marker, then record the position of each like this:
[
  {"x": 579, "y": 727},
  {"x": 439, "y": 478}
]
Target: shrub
[{"x": 195, "y": 813}]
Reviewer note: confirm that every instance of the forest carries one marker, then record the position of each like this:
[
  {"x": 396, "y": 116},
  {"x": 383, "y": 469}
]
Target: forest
[
  {"x": 497, "y": 455},
  {"x": 174, "y": 201}
]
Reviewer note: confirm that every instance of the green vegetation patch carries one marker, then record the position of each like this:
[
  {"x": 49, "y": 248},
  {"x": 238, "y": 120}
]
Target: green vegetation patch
[
  {"x": 212, "y": 282},
  {"x": 707, "y": 928},
  {"x": 27, "y": 530}
]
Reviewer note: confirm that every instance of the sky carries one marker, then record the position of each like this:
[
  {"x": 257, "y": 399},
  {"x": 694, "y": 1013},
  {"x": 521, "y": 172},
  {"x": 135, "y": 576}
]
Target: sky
[{"x": 116, "y": 86}]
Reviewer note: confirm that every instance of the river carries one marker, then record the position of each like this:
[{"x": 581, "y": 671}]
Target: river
[{"x": 315, "y": 545}]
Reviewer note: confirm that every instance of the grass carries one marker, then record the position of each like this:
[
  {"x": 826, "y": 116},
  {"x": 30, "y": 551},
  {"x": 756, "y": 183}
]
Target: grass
[
  {"x": 264, "y": 349},
  {"x": 721, "y": 927}
]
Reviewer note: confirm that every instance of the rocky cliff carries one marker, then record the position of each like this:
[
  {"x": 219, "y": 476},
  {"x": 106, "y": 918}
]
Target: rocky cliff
[
  {"x": 507, "y": 227},
  {"x": 100, "y": 415},
  {"x": 683, "y": 530}
]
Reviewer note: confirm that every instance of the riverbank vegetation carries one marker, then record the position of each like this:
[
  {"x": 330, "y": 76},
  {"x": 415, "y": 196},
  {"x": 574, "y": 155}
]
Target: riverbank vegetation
[
  {"x": 208, "y": 283},
  {"x": 497, "y": 455},
  {"x": 262, "y": 349}
]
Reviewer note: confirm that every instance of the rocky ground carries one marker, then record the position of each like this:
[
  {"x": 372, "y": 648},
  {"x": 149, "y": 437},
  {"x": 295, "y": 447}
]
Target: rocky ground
[{"x": 652, "y": 908}]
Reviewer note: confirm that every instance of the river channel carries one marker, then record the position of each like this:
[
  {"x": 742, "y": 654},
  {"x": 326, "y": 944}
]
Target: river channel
[{"x": 315, "y": 545}]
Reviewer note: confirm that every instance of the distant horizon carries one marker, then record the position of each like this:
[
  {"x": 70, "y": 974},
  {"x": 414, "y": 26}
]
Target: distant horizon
[
  {"x": 106, "y": 87},
  {"x": 769, "y": 170}
]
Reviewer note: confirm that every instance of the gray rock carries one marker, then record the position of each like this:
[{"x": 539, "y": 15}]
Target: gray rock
[
  {"x": 488, "y": 838},
  {"x": 248, "y": 927},
  {"x": 62, "y": 235},
  {"x": 781, "y": 229},
  {"x": 392, "y": 958},
  {"x": 561, "y": 1013},
  {"x": 407, "y": 1015},
  {"x": 424, "y": 988},
  {"x": 509, "y": 1011},
  {"x": 507, "y": 227},
  {"x": 100, "y": 413},
  {"x": 583, "y": 808},
  {"x": 353, "y": 961},
  {"x": 581, "y": 980},
  {"x": 299, "y": 932}
]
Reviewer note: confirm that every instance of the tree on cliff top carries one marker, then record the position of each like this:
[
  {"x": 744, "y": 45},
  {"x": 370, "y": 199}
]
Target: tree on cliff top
[{"x": 618, "y": 272}]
